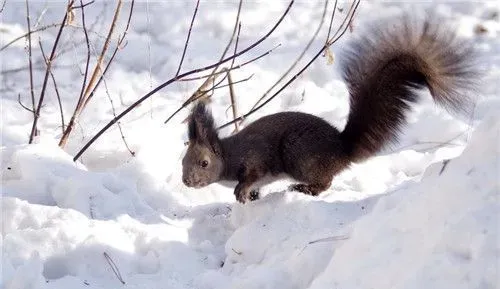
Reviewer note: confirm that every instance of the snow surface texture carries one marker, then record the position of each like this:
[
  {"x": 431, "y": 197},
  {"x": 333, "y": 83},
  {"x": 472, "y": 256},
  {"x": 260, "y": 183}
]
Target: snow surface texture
[{"x": 422, "y": 214}]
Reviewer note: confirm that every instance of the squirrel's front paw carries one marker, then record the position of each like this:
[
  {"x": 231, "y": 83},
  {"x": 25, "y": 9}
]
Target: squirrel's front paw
[{"x": 240, "y": 194}]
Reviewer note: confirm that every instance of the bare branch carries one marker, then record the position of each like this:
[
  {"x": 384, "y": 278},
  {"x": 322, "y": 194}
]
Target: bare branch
[
  {"x": 299, "y": 58},
  {"x": 83, "y": 5},
  {"x": 87, "y": 89},
  {"x": 234, "y": 67},
  {"x": 114, "y": 267},
  {"x": 199, "y": 93},
  {"x": 346, "y": 22},
  {"x": 218, "y": 86},
  {"x": 47, "y": 71},
  {"x": 55, "y": 87},
  {"x": 29, "y": 60},
  {"x": 211, "y": 76},
  {"x": 236, "y": 25},
  {"x": 150, "y": 68},
  {"x": 236, "y": 43},
  {"x": 332, "y": 40},
  {"x": 195, "y": 96},
  {"x": 118, "y": 46},
  {"x": 235, "y": 50},
  {"x": 100, "y": 61},
  {"x": 21, "y": 103},
  {"x": 3, "y": 5},
  {"x": 69, "y": 128},
  {"x": 233, "y": 101},
  {"x": 331, "y": 21},
  {"x": 132, "y": 153},
  {"x": 87, "y": 42},
  {"x": 40, "y": 16},
  {"x": 43, "y": 28},
  {"x": 168, "y": 82},
  {"x": 187, "y": 38}
]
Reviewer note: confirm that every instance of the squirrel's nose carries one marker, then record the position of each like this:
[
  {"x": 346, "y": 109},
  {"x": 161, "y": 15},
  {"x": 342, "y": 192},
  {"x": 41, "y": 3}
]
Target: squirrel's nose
[{"x": 186, "y": 181}]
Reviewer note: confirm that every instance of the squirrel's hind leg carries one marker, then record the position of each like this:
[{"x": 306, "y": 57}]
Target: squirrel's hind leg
[
  {"x": 313, "y": 189},
  {"x": 314, "y": 178}
]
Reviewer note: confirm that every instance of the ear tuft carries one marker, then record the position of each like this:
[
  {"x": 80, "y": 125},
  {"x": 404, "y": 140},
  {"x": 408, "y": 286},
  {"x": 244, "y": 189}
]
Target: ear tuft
[
  {"x": 201, "y": 127},
  {"x": 198, "y": 115}
]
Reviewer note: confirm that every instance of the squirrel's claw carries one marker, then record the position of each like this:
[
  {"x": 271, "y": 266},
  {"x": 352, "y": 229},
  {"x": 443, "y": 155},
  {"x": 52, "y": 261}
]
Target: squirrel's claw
[{"x": 254, "y": 195}]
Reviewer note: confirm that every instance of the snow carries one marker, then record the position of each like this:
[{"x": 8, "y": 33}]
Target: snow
[{"x": 422, "y": 214}]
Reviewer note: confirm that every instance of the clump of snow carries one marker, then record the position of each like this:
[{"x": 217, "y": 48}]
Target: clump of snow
[{"x": 422, "y": 214}]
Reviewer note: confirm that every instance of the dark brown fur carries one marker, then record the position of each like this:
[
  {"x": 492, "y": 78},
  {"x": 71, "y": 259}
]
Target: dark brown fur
[{"x": 382, "y": 70}]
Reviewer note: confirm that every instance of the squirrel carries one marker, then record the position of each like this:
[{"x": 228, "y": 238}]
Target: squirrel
[{"x": 383, "y": 69}]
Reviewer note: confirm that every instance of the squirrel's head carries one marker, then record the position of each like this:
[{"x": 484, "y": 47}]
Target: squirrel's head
[{"x": 203, "y": 163}]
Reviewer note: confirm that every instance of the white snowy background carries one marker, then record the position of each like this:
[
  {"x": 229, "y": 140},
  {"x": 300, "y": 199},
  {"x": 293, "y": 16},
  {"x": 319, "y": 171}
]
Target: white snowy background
[{"x": 424, "y": 213}]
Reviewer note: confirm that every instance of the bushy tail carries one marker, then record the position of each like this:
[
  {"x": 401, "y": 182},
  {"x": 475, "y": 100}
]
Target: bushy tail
[{"x": 382, "y": 69}]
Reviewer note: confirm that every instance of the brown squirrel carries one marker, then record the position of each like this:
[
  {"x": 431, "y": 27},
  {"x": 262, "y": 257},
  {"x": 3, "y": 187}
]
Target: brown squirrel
[{"x": 383, "y": 70}]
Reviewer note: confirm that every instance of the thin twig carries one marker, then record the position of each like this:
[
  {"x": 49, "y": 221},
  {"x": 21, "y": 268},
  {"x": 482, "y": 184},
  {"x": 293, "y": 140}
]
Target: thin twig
[
  {"x": 328, "y": 239},
  {"x": 55, "y": 87},
  {"x": 236, "y": 25},
  {"x": 222, "y": 71},
  {"x": 118, "y": 47},
  {"x": 227, "y": 70},
  {"x": 299, "y": 58},
  {"x": 168, "y": 82},
  {"x": 233, "y": 83},
  {"x": 114, "y": 267},
  {"x": 41, "y": 63},
  {"x": 196, "y": 95},
  {"x": 29, "y": 59},
  {"x": 68, "y": 130},
  {"x": 43, "y": 28},
  {"x": 187, "y": 38},
  {"x": 87, "y": 42},
  {"x": 40, "y": 17},
  {"x": 233, "y": 101},
  {"x": 435, "y": 144},
  {"x": 345, "y": 24},
  {"x": 328, "y": 44},
  {"x": 100, "y": 61},
  {"x": 331, "y": 21},
  {"x": 236, "y": 43},
  {"x": 3, "y": 6},
  {"x": 230, "y": 82},
  {"x": 199, "y": 93},
  {"x": 132, "y": 153},
  {"x": 99, "y": 19},
  {"x": 86, "y": 89},
  {"x": 445, "y": 163},
  {"x": 47, "y": 72},
  {"x": 21, "y": 103},
  {"x": 83, "y": 5},
  {"x": 150, "y": 72},
  {"x": 211, "y": 76}
]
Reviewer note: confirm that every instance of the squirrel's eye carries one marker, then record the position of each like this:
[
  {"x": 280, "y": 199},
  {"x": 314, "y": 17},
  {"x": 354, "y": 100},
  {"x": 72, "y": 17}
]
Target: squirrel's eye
[{"x": 204, "y": 164}]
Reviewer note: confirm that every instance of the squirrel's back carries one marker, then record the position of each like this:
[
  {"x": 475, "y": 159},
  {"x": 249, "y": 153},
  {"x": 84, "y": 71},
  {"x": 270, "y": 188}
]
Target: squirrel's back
[{"x": 382, "y": 68}]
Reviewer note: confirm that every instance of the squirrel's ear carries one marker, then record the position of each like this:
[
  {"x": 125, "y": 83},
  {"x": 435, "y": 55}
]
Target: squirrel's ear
[
  {"x": 202, "y": 128},
  {"x": 192, "y": 135}
]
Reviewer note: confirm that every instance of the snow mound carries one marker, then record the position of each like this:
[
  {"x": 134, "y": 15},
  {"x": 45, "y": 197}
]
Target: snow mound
[{"x": 440, "y": 233}]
